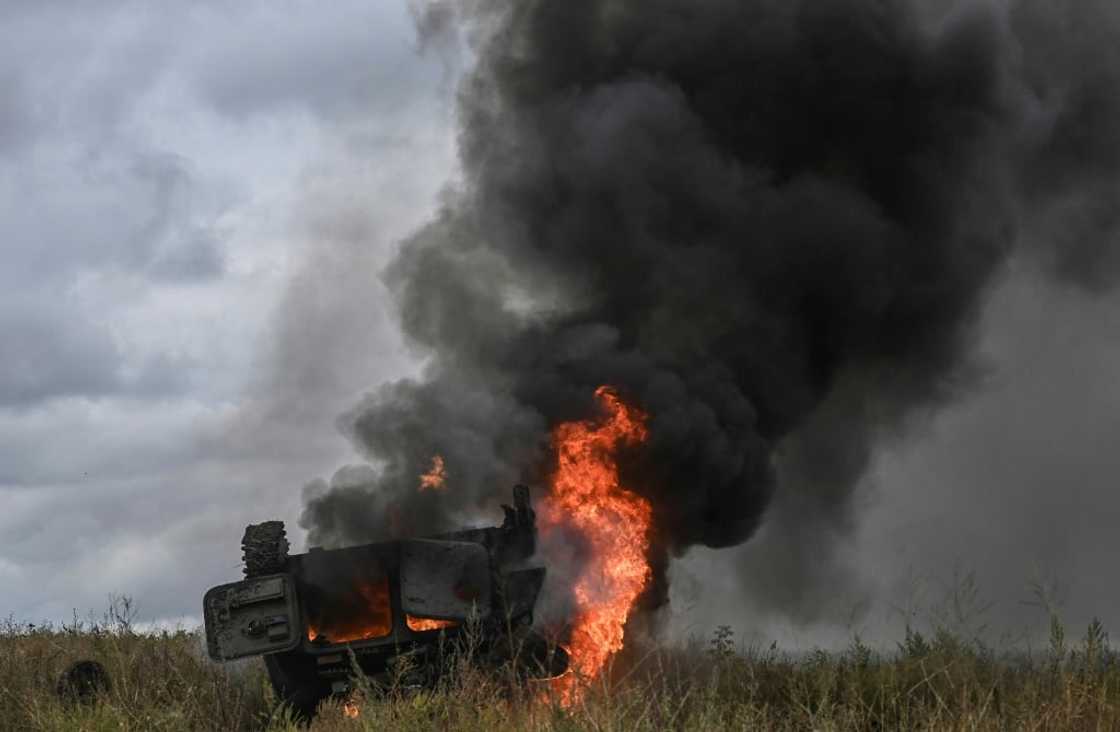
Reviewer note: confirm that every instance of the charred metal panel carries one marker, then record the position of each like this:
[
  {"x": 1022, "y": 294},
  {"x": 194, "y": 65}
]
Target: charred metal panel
[
  {"x": 445, "y": 579},
  {"x": 252, "y": 617}
]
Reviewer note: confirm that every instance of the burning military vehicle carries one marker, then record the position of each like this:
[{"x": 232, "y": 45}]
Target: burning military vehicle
[{"x": 382, "y": 602}]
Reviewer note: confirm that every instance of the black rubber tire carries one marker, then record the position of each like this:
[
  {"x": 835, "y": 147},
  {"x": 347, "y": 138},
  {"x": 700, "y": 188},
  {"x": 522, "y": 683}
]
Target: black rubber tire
[
  {"x": 532, "y": 655},
  {"x": 264, "y": 548},
  {"x": 84, "y": 682},
  {"x": 296, "y": 683},
  {"x": 542, "y": 659}
]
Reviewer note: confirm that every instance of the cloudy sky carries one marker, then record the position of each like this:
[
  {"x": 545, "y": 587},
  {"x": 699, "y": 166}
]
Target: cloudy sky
[
  {"x": 196, "y": 199},
  {"x": 196, "y": 203}
]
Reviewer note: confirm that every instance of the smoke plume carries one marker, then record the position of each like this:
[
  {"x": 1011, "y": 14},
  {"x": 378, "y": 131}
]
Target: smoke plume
[{"x": 769, "y": 224}]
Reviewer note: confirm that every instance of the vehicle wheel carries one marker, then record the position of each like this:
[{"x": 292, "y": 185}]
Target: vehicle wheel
[
  {"x": 295, "y": 681},
  {"x": 265, "y": 548},
  {"x": 533, "y": 656}
]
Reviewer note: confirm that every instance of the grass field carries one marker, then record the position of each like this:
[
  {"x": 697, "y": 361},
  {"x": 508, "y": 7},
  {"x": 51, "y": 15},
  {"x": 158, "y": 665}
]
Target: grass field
[{"x": 163, "y": 681}]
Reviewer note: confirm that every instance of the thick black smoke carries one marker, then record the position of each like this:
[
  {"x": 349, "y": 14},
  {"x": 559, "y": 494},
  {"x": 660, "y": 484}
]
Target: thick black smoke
[{"x": 769, "y": 223}]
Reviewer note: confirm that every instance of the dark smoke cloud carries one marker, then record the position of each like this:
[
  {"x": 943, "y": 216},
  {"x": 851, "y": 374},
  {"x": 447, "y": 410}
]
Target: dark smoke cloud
[{"x": 770, "y": 224}]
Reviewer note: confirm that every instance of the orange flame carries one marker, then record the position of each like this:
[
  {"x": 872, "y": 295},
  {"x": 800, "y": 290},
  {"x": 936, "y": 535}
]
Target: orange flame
[
  {"x": 351, "y": 709},
  {"x": 419, "y": 625},
  {"x": 436, "y": 476},
  {"x": 586, "y": 496},
  {"x": 373, "y": 620}
]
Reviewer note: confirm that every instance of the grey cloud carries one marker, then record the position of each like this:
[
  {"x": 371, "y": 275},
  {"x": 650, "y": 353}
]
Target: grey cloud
[
  {"x": 86, "y": 196},
  {"x": 126, "y": 463},
  {"x": 83, "y": 69},
  {"x": 79, "y": 439},
  {"x": 171, "y": 241},
  {"x": 65, "y": 223},
  {"x": 77, "y": 205},
  {"x": 332, "y": 64},
  {"x": 162, "y": 538},
  {"x": 17, "y": 124},
  {"x": 48, "y": 352},
  {"x": 129, "y": 211}
]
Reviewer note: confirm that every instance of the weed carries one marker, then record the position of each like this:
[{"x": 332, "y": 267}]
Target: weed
[{"x": 936, "y": 680}]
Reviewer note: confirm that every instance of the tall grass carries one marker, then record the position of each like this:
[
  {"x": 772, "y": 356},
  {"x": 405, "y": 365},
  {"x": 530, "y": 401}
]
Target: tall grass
[
  {"x": 934, "y": 680},
  {"x": 160, "y": 680}
]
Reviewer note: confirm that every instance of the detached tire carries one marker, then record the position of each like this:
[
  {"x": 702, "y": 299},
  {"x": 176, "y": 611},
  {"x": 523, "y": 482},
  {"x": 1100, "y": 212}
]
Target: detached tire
[
  {"x": 533, "y": 656},
  {"x": 264, "y": 548},
  {"x": 83, "y": 682}
]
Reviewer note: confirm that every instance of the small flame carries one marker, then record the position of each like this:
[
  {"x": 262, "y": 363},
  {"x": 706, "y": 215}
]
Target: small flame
[
  {"x": 587, "y": 497},
  {"x": 419, "y": 625},
  {"x": 436, "y": 476},
  {"x": 351, "y": 709}
]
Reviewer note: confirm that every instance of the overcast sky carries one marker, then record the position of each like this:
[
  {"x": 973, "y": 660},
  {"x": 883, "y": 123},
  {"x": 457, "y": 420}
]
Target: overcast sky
[
  {"x": 195, "y": 203},
  {"x": 185, "y": 190}
]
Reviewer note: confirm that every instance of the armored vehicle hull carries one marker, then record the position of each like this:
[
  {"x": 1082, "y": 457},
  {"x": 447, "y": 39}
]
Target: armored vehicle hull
[{"x": 315, "y": 616}]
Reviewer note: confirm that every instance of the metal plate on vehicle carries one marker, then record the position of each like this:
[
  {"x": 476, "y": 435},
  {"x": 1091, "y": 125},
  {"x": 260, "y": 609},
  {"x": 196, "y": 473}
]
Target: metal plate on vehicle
[
  {"x": 261, "y": 590},
  {"x": 446, "y": 580},
  {"x": 251, "y": 618}
]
